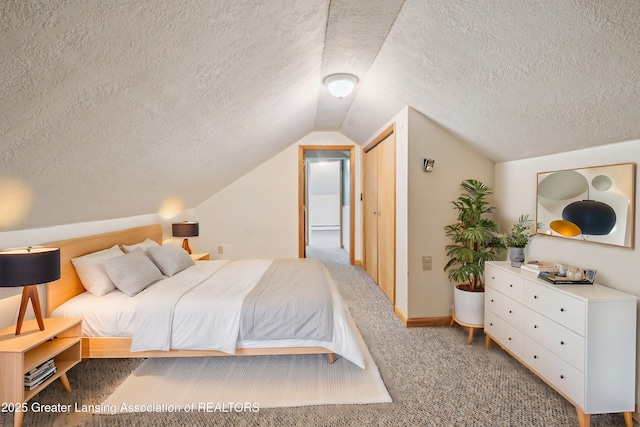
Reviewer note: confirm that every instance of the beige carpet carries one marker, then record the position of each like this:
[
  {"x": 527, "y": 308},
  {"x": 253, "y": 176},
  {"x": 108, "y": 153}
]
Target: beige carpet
[{"x": 212, "y": 384}]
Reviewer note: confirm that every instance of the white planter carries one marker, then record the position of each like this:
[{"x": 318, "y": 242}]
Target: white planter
[{"x": 469, "y": 306}]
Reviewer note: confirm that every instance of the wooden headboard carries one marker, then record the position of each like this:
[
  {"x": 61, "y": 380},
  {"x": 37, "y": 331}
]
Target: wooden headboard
[{"x": 69, "y": 285}]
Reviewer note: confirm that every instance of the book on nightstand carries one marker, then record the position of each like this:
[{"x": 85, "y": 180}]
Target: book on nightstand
[{"x": 39, "y": 374}]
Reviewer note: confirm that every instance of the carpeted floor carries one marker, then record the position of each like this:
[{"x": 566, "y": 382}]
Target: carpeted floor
[{"x": 433, "y": 376}]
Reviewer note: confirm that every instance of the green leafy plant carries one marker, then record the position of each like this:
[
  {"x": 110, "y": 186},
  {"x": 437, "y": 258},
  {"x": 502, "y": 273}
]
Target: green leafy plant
[
  {"x": 520, "y": 234},
  {"x": 475, "y": 237}
]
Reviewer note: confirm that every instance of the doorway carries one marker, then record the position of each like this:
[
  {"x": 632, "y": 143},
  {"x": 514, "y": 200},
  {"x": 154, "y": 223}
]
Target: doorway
[{"x": 326, "y": 185}]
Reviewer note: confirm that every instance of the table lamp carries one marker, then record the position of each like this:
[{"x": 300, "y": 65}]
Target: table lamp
[
  {"x": 28, "y": 268},
  {"x": 185, "y": 229}
]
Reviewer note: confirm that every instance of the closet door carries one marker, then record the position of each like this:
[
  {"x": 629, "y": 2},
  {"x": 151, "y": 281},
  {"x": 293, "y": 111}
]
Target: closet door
[
  {"x": 370, "y": 209},
  {"x": 380, "y": 214}
]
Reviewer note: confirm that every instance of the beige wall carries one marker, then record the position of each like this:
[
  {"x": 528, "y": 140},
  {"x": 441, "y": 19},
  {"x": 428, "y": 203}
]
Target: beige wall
[
  {"x": 516, "y": 194},
  {"x": 430, "y": 209},
  {"x": 423, "y": 209},
  {"x": 257, "y": 215}
]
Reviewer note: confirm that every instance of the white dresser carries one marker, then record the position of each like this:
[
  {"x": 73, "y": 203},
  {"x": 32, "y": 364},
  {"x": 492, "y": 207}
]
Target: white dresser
[{"x": 580, "y": 339}]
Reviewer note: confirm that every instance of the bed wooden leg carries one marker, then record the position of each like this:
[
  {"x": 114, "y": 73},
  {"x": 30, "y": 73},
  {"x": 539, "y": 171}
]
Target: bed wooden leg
[{"x": 332, "y": 358}]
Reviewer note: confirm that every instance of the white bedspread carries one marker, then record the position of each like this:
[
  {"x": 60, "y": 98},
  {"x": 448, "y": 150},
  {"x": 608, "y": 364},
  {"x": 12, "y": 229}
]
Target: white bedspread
[
  {"x": 204, "y": 317},
  {"x": 208, "y": 317}
]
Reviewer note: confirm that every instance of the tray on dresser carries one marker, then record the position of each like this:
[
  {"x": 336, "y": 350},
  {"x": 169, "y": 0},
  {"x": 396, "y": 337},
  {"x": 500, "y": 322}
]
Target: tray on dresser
[{"x": 562, "y": 280}]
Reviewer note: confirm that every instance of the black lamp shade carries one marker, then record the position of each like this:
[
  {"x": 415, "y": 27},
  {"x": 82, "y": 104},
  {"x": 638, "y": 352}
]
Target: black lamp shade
[
  {"x": 593, "y": 217},
  {"x": 24, "y": 267},
  {"x": 185, "y": 229}
]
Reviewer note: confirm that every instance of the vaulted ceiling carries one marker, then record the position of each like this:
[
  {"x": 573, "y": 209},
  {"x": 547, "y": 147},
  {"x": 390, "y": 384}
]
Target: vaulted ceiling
[{"x": 108, "y": 108}]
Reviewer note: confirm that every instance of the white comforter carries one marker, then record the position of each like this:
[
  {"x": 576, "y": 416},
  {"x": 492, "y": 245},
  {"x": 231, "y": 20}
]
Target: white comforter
[{"x": 200, "y": 311}]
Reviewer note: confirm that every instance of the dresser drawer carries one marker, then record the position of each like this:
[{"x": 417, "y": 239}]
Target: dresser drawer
[
  {"x": 504, "y": 282},
  {"x": 559, "y": 307},
  {"x": 508, "y": 336},
  {"x": 511, "y": 311},
  {"x": 563, "y": 376},
  {"x": 562, "y": 342}
]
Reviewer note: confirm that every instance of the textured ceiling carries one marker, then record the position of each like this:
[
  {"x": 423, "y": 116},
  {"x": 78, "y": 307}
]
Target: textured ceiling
[
  {"x": 109, "y": 108},
  {"x": 513, "y": 81}
]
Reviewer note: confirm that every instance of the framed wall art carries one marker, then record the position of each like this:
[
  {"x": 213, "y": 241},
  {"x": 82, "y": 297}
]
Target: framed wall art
[{"x": 594, "y": 204}]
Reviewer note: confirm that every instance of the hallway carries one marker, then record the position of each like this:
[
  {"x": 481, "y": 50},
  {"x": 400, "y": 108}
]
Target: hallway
[{"x": 325, "y": 246}]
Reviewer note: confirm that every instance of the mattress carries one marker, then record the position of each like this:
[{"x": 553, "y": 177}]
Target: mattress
[{"x": 114, "y": 314}]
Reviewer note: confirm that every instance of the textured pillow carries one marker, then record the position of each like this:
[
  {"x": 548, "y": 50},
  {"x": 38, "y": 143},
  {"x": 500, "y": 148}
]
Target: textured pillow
[
  {"x": 133, "y": 272},
  {"x": 92, "y": 274},
  {"x": 143, "y": 245},
  {"x": 170, "y": 258}
]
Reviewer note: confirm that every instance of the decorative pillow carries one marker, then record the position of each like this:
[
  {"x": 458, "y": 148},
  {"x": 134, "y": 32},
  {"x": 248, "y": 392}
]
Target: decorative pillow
[
  {"x": 143, "y": 245},
  {"x": 92, "y": 274},
  {"x": 133, "y": 272},
  {"x": 170, "y": 258}
]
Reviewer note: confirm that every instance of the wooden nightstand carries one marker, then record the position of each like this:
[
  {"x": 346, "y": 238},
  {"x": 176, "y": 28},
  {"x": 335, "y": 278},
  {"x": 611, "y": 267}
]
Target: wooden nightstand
[
  {"x": 200, "y": 257},
  {"x": 60, "y": 341}
]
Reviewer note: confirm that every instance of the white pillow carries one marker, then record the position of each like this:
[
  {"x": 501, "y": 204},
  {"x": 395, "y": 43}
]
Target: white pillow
[
  {"x": 170, "y": 258},
  {"x": 92, "y": 274},
  {"x": 143, "y": 245},
  {"x": 133, "y": 272}
]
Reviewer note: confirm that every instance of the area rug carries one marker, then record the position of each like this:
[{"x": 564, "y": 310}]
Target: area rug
[{"x": 233, "y": 383}]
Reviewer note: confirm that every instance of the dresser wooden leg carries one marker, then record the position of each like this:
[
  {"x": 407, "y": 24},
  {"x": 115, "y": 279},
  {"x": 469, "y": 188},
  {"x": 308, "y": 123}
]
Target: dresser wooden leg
[
  {"x": 628, "y": 419},
  {"x": 487, "y": 341},
  {"x": 584, "y": 420}
]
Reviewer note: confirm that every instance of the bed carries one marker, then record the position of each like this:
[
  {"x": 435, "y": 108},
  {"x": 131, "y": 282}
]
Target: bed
[{"x": 108, "y": 319}]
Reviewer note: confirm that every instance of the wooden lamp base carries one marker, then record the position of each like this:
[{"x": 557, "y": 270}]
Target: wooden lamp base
[
  {"x": 185, "y": 245},
  {"x": 30, "y": 292}
]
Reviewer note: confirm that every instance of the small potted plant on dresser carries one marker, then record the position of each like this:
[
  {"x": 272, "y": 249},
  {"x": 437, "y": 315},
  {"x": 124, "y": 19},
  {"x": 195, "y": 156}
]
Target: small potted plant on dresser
[
  {"x": 475, "y": 239},
  {"x": 517, "y": 239}
]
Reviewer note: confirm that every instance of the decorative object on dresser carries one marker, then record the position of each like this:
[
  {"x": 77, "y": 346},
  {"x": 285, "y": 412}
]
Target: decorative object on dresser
[
  {"x": 185, "y": 229},
  {"x": 33, "y": 360},
  {"x": 28, "y": 268},
  {"x": 517, "y": 239},
  {"x": 573, "y": 276},
  {"x": 579, "y": 339},
  {"x": 475, "y": 240},
  {"x": 595, "y": 204},
  {"x": 539, "y": 267}
]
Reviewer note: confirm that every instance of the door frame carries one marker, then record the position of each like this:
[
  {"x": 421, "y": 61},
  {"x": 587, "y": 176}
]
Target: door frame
[{"x": 302, "y": 208}]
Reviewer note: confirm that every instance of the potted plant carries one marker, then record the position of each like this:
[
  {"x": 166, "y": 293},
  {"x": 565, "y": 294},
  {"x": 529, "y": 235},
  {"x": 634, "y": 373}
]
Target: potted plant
[
  {"x": 517, "y": 239},
  {"x": 475, "y": 240}
]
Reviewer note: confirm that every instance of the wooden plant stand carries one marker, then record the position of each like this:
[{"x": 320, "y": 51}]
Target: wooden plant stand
[{"x": 469, "y": 326}]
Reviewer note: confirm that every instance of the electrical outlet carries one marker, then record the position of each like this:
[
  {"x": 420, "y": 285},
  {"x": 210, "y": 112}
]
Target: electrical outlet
[
  {"x": 219, "y": 249},
  {"x": 426, "y": 263}
]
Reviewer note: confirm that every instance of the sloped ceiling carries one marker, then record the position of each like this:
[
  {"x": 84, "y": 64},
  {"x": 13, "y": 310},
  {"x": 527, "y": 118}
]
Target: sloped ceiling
[{"x": 111, "y": 108}]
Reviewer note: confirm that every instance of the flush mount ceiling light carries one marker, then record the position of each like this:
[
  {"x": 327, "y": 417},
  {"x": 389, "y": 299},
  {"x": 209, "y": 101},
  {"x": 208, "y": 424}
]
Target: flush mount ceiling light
[{"x": 340, "y": 85}]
